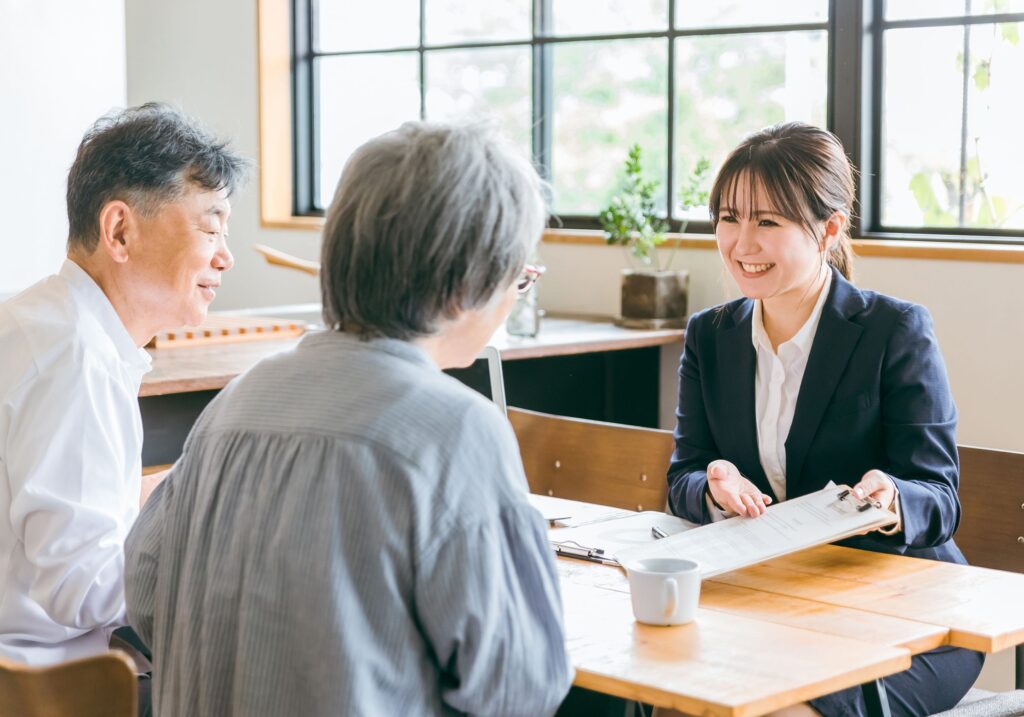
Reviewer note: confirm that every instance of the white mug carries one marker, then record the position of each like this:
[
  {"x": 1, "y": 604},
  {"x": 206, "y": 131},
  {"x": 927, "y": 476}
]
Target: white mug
[{"x": 664, "y": 591}]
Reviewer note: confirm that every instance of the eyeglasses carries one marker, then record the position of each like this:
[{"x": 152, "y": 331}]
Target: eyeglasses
[{"x": 531, "y": 272}]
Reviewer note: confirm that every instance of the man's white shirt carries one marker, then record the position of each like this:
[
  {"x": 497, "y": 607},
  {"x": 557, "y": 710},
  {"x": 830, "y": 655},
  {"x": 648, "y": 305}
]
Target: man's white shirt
[{"x": 70, "y": 467}]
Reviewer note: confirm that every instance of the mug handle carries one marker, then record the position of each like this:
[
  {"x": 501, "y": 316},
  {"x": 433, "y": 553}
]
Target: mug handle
[{"x": 671, "y": 595}]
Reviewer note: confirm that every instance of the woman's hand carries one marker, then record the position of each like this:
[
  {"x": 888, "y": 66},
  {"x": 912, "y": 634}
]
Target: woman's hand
[
  {"x": 877, "y": 486},
  {"x": 733, "y": 492}
]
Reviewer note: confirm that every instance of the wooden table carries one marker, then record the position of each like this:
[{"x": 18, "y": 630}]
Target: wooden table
[
  {"x": 784, "y": 631},
  {"x": 587, "y": 368}
]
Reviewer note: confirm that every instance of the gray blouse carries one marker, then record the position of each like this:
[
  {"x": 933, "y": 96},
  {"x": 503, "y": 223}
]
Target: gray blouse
[{"x": 348, "y": 532}]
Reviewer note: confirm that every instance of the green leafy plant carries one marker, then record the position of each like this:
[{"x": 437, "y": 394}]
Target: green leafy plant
[
  {"x": 631, "y": 220},
  {"x": 694, "y": 192}
]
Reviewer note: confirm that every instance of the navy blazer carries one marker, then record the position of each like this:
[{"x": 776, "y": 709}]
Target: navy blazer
[{"x": 874, "y": 395}]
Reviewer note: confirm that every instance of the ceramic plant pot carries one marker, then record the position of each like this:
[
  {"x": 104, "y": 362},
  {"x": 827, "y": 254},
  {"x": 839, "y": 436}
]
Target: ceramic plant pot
[{"x": 653, "y": 299}]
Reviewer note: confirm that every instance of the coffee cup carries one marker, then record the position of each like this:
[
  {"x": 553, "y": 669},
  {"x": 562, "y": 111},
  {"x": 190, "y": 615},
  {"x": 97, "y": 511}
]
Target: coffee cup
[{"x": 664, "y": 591}]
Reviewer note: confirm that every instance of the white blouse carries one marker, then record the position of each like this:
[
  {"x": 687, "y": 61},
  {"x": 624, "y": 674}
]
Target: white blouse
[
  {"x": 777, "y": 385},
  {"x": 70, "y": 467}
]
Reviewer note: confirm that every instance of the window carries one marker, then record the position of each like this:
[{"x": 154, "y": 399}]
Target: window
[
  {"x": 948, "y": 117},
  {"x": 576, "y": 82}
]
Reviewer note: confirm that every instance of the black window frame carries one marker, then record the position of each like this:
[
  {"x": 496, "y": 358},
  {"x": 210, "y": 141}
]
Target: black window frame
[{"x": 855, "y": 31}]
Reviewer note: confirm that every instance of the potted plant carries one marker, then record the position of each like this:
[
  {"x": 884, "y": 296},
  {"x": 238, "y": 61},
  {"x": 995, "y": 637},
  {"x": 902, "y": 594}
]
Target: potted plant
[{"x": 653, "y": 296}]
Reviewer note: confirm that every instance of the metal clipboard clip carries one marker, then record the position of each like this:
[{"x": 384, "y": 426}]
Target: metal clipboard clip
[
  {"x": 861, "y": 503},
  {"x": 572, "y": 549}
]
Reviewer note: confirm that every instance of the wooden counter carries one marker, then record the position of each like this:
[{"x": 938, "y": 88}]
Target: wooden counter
[{"x": 204, "y": 368}]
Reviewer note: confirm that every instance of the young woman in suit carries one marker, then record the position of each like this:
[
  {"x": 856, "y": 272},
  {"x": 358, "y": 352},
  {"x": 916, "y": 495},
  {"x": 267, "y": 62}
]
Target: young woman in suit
[{"x": 808, "y": 379}]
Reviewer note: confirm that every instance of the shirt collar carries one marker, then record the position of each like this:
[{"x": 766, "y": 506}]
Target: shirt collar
[
  {"x": 396, "y": 347},
  {"x": 97, "y": 303},
  {"x": 803, "y": 338}
]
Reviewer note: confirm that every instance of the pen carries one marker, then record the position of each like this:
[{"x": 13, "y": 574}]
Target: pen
[
  {"x": 594, "y": 555},
  {"x": 657, "y": 533},
  {"x": 864, "y": 503}
]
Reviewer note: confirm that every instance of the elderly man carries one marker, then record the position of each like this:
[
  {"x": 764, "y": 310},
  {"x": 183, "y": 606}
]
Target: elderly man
[
  {"x": 147, "y": 204},
  {"x": 348, "y": 531}
]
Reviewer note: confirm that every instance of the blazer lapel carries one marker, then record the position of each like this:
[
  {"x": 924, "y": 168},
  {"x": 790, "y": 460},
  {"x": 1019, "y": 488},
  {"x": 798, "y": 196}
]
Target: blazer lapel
[
  {"x": 833, "y": 345},
  {"x": 737, "y": 360}
]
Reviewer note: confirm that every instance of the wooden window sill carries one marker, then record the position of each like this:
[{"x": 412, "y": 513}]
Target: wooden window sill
[{"x": 942, "y": 250}]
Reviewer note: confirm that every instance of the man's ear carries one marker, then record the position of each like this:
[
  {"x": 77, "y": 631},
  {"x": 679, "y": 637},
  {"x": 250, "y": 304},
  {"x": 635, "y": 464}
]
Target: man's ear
[
  {"x": 118, "y": 227},
  {"x": 834, "y": 227}
]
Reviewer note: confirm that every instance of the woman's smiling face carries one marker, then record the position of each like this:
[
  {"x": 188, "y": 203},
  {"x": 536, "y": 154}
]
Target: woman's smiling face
[{"x": 767, "y": 254}]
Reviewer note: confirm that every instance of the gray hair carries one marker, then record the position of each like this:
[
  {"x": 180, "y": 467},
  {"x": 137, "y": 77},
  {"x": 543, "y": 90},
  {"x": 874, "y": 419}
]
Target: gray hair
[
  {"x": 428, "y": 220},
  {"x": 145, "y": 156}
]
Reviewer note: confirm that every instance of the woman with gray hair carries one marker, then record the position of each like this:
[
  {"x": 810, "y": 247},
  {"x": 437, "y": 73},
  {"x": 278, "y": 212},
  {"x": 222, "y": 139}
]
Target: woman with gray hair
[{"x": 348, "y": 530}]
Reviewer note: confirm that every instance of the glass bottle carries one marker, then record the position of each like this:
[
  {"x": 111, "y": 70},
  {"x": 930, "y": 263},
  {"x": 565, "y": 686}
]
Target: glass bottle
[{"x": 524, "y": 320}]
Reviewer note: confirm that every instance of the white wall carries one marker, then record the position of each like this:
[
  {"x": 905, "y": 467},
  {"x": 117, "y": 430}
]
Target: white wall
[
  {"x": 978, "y": 310},
  {"x": 62, "y": 65}
]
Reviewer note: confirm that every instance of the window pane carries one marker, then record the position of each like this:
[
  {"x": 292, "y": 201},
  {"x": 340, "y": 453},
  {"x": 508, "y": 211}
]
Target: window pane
[
  {"x": 912, "y": 9},
  {"x": 607, "y": 96},
  {"x": 921, "y": 162},
  {"x": 591, "y": 17},
  {"x": 730, "y": 86},
  {"x": 471, "y": 84},
  {"x": 362, "y": 96},
  {"x": 739, "y": 13},
  {"x": 377, "y": 25},
  {"x": 994, "y": 195},
  {"x": 448, "y": 21}
]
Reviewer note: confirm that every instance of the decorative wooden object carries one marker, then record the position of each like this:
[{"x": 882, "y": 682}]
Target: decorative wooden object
[
  {"x": 280, "y": 258},
  {"x": 228, "y": 329}
]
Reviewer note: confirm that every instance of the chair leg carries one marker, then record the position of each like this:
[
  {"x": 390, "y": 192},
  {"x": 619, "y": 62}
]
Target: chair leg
[
  {"x": 875, "y": 699},
  {"x": 1020, "y": 667}
]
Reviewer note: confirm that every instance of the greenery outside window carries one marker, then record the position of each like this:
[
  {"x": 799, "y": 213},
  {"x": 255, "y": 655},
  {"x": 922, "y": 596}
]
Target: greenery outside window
[{"x": 920, "y": 92}]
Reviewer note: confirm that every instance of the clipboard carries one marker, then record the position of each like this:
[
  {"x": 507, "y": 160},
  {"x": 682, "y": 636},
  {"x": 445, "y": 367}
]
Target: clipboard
[{"x": 825, "y": 516}]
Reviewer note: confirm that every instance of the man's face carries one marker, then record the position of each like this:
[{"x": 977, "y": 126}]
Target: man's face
[{"x": 178, "y": 257}]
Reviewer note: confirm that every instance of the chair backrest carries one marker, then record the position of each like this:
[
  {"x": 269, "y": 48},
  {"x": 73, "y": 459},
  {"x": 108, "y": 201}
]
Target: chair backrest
[
  {"x": 99, "y": 686},
  {"x": 603, "y": 463},
  {"x": 991, "y": 531}
]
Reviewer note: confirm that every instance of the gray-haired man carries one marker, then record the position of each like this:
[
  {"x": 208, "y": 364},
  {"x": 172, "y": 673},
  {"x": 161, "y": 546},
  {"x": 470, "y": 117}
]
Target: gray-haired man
[{"x": 148, "y": 207}]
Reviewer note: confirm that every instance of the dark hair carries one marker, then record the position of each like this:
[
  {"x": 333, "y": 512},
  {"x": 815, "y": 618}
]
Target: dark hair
[
  {"x": 804, "y": 174},
  {"x": 145, "y": 156},
  {"x": 427, "y": 221}
]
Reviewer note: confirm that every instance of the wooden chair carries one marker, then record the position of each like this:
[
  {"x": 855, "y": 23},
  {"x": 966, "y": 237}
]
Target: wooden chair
[
  {"x": 991, "y": 531},
  {"x": 99, "y": 686},
  {"x": 991, "y": 535},
  {"x": 605, "y": 463}
]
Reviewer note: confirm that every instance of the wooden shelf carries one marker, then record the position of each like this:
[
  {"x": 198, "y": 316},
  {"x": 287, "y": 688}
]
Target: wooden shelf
[{"x": 204, "y": 368}]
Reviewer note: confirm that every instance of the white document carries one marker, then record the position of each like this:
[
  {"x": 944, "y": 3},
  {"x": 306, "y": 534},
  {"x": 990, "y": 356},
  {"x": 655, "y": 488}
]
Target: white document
[
  {"x": 571, "y": 513},
  {"x": 611, "y": 536},
  {"x": 789, "y": 526}
]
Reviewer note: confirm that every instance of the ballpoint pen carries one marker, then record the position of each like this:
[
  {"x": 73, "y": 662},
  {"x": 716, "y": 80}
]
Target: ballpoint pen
[
  {"x": 572, "y": 549},
  {"x": 862, "y": 503}
]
